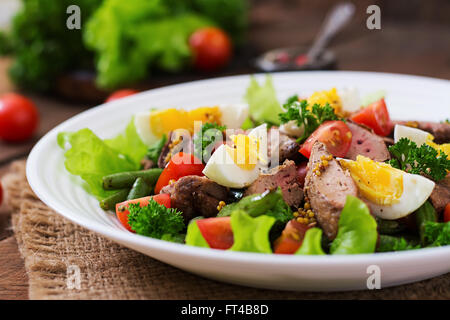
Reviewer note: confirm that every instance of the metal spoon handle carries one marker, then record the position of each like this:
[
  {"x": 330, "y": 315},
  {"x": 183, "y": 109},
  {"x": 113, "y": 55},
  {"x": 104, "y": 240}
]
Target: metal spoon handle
[{"x": 335, "y": 20}]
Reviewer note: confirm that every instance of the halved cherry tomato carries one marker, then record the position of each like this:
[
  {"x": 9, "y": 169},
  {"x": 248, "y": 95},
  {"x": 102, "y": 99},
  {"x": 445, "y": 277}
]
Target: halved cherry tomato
[
  {"x": 375, "y": 116},
  {"x": 291, "y": 238},
  {"x": 302, "y": 170},
  {"x": 122, "y": 208},
  {"x": 217, "y": 232},
  {"x": 180, "y": 165},
  {"x": 121, "y": 94},
  {"x": 336, "y": 136},
  {"x": 447, "y": 213}
]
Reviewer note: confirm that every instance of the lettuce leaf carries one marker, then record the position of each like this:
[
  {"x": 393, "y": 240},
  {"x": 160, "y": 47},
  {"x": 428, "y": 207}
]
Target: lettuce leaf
[
  {"x": 263, "y": 102},
  {"x": 312, "y": 243},
  {"x": 372, "y": 97},
  {"x": 357, "y": 229},
  {"x": 251, "y": 234},
  {"x": 194, "y": 237},
  {"x": 91, "y": 158}
]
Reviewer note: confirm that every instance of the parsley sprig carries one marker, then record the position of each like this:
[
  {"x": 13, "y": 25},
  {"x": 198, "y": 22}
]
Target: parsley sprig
[
  {"x": 407, "y": 156},
  {"x": 156, "y": 221},
  {"x": 310, "y": 120},
  {"x": 205, "y": 138}
]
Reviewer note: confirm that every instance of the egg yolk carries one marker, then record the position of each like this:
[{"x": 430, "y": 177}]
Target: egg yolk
[
  {"x": 377, "y": 182},
  {"x": 244, "y": 152},
  {"x": 445, "y": 148},
  {"x": 164, "y": 121},
  {"x": 323, "y": 97}
]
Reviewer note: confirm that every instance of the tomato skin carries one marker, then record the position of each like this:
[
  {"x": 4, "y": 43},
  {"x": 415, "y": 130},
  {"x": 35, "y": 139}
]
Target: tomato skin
[
  {"x": 336, "y": 136},
  {"x": 217, "y": 232},
  {"x": 376, "y": 117},
  {"x": 291, "y": 238},
  {"x": 122, "y": 208},
  {"x": 19, "y": 118},
  {"x": 180, "y": 165},
  {"x": 211, "y": 48},
  {"x": 446, "y": 213},
  {"x": 121, "y": 94},
  {"x": 302, "y": 169}
]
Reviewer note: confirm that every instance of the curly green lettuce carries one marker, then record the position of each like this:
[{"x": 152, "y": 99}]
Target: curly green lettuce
[{"x": 91, "y": 158}]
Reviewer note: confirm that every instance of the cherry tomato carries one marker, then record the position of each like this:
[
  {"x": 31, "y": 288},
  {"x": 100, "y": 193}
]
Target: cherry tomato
[
  {"x": 217, "y": 232},
  {"x": 336, "y": 136},
  {"x": 291, "y": 238},
  {"x": 302, "y": 170},
  {"x": 447, "y": 213},
  {"x": 375, "y": 116},
  {"x": 180, "y": 165},
  {"x": 211, "y": 48},
  {"x": 121, "y": 94},
  {"x": 122, "y": 208},
  {"x": 19, "y": 118}
]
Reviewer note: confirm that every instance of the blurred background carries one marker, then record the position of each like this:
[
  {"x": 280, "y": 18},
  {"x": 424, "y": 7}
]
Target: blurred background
[{"x": 143, "y": 44}]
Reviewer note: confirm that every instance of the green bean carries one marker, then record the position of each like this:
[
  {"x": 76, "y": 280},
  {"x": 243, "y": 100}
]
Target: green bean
[
  {"x": 110, "y": 202},
  {"x": 424, "y": 214},
  {"x": 126, "y": 179},
  {"x": 140, "y": 189},
  {"x": 391, "y": 243},
  {"x": 255, "y": 204},
  {"x": 389, "y": 226}
]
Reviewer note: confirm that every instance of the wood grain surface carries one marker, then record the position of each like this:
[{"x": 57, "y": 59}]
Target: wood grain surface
[{"x": 411, "y": 46}]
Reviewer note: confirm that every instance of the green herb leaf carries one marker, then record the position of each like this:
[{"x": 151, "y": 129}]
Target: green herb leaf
[
  {"x": 205, "y": 139},
  {"x": 357, "y": 229},
  {"x": 419, "y": 160},
  {"x": 155, "y": 220},
  {"x": 251, "y": 234},
  {"x": 310, "y": 120},
  {"x": 155, "y": 149},
  {"x": 437, "y": 233},
  {"x": 391, "y": 243},
  {"x": 312, "y": 243}
]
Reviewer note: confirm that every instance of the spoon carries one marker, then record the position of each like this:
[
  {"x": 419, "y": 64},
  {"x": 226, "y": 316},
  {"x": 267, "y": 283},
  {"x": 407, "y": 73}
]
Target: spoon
[{"x": 294, "y": 57}]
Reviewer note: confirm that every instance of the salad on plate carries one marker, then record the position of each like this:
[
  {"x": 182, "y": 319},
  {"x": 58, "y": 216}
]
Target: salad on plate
[{"x": 323, "y": 173}]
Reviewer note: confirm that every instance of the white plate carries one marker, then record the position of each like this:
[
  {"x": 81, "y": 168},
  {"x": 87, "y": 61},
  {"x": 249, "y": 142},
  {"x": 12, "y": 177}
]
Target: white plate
[{"x": 408, "y": 97}]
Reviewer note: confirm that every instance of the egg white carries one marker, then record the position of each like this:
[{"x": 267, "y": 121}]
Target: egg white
[
  {"x": 416, "y": 190},
  {"x": 418, "y": 136},
  {"x": 222, "y": 170},
  {"x": 233, "y": 115},
  {"x": 142, "y": 124}
]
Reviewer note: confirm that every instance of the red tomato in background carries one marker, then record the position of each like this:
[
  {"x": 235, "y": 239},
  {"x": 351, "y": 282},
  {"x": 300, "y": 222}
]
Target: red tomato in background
[
  {"x": 446, "y": 212},
  {"x": 122, "y": 208},
  {"x": 376, "y": 117},
  {"x": 217, "y": 232},
  {"x": 336, "y": 136},
  {"x": 291, "y": 238},
  {"x": 211, "y": 48},
  {"x": 121, "y": 94},
  {"x": 180, "y": 165},
  {"x": 19, "y": 118}
]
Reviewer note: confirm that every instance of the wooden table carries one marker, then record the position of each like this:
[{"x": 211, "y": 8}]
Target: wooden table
[{"x": 421, "y": 49}]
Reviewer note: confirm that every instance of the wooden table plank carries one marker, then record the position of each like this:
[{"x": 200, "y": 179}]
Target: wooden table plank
[{"x": 13, "y": 278}]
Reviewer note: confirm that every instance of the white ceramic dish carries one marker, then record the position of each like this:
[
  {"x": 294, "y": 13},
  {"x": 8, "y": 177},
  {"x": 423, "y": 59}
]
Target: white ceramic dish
[{"x": 408, "y": 97}]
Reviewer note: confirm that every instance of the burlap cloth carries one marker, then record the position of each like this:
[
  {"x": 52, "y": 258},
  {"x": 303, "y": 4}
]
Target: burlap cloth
[{"x": 50, "y": 243}]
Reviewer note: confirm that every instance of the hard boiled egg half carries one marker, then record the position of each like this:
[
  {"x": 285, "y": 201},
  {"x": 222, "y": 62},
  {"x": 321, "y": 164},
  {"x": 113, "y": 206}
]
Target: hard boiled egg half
[
  {"x": 239, "y": 164},
  {"x": 419, "y": 137},
  {"x": 390, "y": 193},
  {"x": 151, "y": 125}
]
